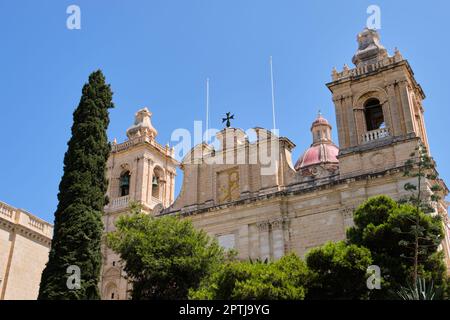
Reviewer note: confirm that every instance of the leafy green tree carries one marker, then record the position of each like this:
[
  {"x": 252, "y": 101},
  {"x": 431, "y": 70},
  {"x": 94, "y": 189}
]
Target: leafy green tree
[
  {"x": 383, "y": 226},
  {"x": 78, "y": 226},
  {"x": 256, "y": 280},
  {"x": 164, "y": 257},
  {"x": 339, "y": 271}
]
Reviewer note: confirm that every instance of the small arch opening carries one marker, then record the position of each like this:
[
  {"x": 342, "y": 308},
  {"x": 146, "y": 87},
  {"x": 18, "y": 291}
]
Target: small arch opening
[
  {"x": 111, "y": 292},
  {"x": 373, "y": 112},
  {"x": 124, "y": 184},
  {"x": 157, "y": 181}
]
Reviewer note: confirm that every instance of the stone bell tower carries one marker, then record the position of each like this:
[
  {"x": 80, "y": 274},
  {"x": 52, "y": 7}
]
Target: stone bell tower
[
  {"x": 139, "y": 170},
  {"x": 379, "y": 110}
]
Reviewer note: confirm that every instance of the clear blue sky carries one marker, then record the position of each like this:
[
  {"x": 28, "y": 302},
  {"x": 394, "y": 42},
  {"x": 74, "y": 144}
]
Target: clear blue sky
[{"x": 159, "y": 53}]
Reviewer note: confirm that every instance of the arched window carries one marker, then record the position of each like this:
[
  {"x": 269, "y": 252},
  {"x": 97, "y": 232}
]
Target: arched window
[
  {"x": 155, "y": 187},
  {"x": 124, "y": 184},
  {"x": 373, "y": 112},
  {"x": 111, "y": 292},
  {"x": 156, "y": 183}
]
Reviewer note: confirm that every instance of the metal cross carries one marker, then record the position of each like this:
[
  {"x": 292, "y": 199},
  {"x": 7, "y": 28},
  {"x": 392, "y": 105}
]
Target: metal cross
[{"x": 227, "y": 119}]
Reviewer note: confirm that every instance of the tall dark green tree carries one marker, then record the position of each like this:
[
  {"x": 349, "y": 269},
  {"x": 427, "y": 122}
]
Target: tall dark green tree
[{"x": 78, "y": 226}]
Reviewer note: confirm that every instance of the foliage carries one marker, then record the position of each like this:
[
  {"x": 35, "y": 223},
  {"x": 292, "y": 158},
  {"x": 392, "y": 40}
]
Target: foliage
[
  {"x": 255, "y": 280},
  {"x": 383, "y": 226},
  {"x": 421, "y": 291},
  {"x": 422, "y": 167},
  {"x": 78, "y": 226},
  {"x": 339, "y": 271},
  {"x": 164, "y": 257},
  {"x": 446, "y": 289}
]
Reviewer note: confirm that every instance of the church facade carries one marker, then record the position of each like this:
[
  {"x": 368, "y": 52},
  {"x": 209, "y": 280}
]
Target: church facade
[{"x": 251, "y": 195}]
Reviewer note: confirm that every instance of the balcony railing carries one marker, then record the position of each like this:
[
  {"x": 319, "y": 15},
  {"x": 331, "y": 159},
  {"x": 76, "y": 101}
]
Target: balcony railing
[
  {"x": 375, "y": 134},
  {"x": 25, "y": 219},
  {"x": 156, "y": 200},
  {"x": 119, "y": 203},
  {"x": 35, "y": 223},
  {"x": 6, "y": 210}
]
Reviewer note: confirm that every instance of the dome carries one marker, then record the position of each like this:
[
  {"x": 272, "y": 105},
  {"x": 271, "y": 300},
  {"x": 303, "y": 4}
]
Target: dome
[
  {"x": 320, "y": 120},
  {"x": 322, "y": 150},
  {"x": 317, "y": 154}
]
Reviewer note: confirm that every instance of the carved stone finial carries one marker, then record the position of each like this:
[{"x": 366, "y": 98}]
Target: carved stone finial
[
  {"x": 397, "y": 54},
  {"x": 370, "y": 49},
  {"x": 142, "y": 125},
  {"x": 334, "y": 73}
]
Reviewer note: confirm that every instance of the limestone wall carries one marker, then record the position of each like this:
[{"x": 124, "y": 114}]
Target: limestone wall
[
  {"x": 299, "y": 221},
  {"x": 24, "y": 245}
]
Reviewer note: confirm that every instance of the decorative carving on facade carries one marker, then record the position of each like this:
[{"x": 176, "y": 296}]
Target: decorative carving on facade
[
  {"x": 228, "y": 185},
  {"x": 347, "y": 212},
  {"x": 277, "y": 224},
  {"x": 273, "y": 224},
  {"x": 125, "y": 166},
  {"x": 263, "y": 226}
]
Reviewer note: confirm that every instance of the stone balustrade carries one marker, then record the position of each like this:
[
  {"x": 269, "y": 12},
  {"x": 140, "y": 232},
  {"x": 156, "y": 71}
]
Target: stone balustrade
[
  {"x": 6, "y": 211},
  {"x": 144, "y": 139},
  {"x": 25, "y": 219},
  {"x": 35, "y": 223},
  {"x": 124, "y": 203},
  {"x": 347, "y": 72},
  {"x": 375, "y": 134},
  {"x": 119, "y": 203}
]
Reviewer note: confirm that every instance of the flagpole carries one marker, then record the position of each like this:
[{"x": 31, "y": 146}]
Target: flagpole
[
  {"x": 207, "y": 109},
  {"x": 273, "y": 94}
]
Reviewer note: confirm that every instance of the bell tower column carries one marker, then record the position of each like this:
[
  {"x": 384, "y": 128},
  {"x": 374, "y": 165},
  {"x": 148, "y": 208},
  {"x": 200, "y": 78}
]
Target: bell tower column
[
  {"x": 378, "y": 109},
  {"x": 132, "y": 165}
]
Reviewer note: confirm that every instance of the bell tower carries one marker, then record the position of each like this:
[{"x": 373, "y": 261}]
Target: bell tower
[
  {"x": 379, "y": 110},
  {"x": 139, "y": 170}
]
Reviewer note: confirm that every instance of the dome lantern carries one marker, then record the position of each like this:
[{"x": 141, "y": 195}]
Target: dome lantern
[{"x": 322, "y": 151}]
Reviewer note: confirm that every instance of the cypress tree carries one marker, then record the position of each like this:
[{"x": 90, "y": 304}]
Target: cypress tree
[{"x": 78, "y": 226}]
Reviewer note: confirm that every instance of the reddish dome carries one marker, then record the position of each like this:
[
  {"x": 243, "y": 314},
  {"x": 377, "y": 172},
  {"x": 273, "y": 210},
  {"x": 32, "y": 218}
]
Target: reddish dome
[
  {"x": 317, "y": 154},
  {"x": 322, "y": 150}
]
